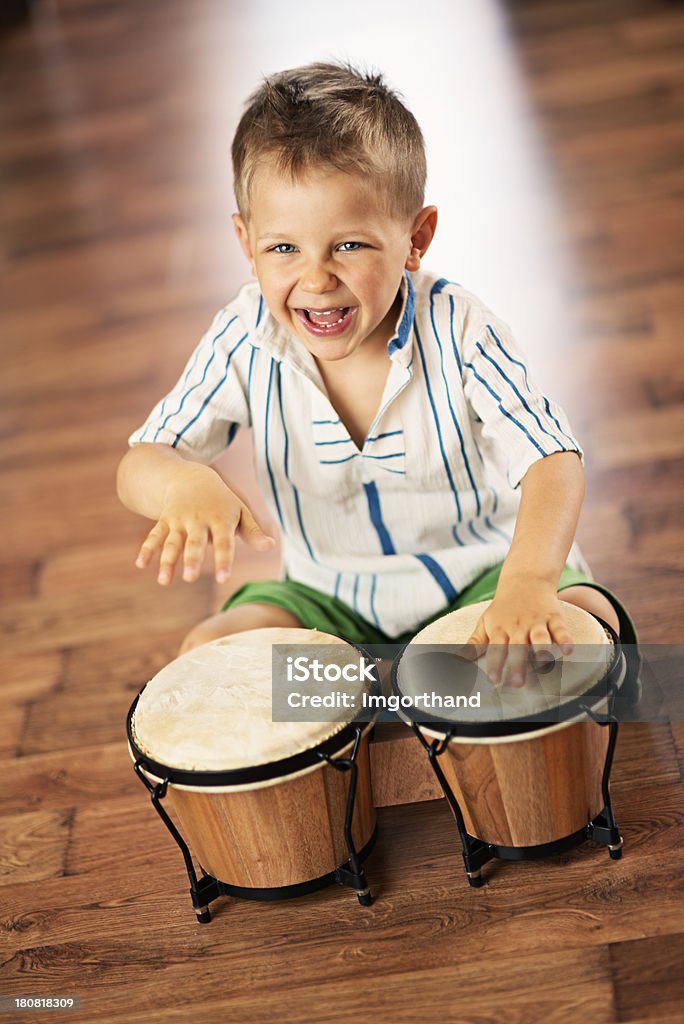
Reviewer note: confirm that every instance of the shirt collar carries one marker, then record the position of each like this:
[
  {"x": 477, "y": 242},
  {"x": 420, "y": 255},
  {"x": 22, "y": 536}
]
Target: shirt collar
[
  {"x": 400, "y": 345},
  {"x": 277, "y": 341}
]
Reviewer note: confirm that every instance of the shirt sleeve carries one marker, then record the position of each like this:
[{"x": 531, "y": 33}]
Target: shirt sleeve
[
  {"x": 515, "y": 415},
  {"x": 202, "y": 413}
]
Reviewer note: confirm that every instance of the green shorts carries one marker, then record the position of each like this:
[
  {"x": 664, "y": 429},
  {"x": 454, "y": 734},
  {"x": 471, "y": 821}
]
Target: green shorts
[{"x": 316, "y": 610}]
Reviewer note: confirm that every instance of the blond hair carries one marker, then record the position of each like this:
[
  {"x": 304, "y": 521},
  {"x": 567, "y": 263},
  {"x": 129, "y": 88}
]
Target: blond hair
[{"x": 334, "y": 115}]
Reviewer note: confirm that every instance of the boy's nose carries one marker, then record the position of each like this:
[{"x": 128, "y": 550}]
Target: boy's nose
[{"x": 318, "y": 278}]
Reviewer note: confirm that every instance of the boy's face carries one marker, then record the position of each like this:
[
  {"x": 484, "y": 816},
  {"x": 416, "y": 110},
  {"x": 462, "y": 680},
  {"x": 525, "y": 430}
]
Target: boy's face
[{"x": 329, "y": 257}]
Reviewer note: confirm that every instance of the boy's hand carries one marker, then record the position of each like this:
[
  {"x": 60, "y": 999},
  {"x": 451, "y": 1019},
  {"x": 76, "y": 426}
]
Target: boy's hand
[
  {"x": 198, "y": 507},
  {"x": 524, "y": 612}
]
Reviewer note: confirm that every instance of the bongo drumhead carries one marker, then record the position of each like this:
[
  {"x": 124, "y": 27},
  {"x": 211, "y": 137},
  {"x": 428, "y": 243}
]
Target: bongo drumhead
[
  {"x": 211, "y": 709},
  {"x": 433, "y": 664}
]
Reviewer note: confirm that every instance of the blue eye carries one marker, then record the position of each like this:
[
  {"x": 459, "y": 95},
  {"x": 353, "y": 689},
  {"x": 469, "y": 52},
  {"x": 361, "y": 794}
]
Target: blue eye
[
  {"x": 350, "y": 246},
  {"x": 284, "y": 247}
]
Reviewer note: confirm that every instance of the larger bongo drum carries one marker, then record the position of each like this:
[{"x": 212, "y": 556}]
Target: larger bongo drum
[
  {"x": 270, "y": 809},
  {"x": 525, "y": 770}
]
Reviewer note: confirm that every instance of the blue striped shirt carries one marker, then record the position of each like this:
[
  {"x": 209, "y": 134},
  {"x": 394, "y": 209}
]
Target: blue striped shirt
[{"x": 398, "y": 528}]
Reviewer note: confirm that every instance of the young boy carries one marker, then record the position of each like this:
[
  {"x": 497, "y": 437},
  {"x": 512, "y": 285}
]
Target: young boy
[{"x": 411, "y": 463}]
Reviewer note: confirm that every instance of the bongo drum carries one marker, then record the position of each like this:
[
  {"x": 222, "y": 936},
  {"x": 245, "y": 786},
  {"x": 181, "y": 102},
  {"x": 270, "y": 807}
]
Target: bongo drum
[
  {"x": 270, "y": 809},
  {"x": 525, "y": 769}
]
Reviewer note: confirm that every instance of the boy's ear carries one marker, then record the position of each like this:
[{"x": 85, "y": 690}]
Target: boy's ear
[
  {"x": 243, "y": 237},
  {"x": 422, "y": 233}
]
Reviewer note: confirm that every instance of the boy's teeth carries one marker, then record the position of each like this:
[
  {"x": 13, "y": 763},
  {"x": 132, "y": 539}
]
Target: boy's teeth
[{"x": 327, "y": 317}]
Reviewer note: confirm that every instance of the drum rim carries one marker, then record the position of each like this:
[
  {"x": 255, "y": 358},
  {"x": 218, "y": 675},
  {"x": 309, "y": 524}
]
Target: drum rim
[
  {"x": 601, "y": 690},
  {"x": 247, "y": 774}
]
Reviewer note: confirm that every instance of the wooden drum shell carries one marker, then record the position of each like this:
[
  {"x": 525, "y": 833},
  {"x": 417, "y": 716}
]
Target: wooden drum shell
[
  {"x": 279, "y": 833},
  {"x": 530, "y": 789}
]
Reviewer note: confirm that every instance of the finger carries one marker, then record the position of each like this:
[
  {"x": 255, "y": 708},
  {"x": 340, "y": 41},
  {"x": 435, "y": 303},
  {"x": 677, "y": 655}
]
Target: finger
[
  {"x": 193, "y": 556},
  {"x": 516, "y": 661},
  {"x": 171, "y": 551},
  {"x": 224, "y": 551},
  {"x": 560, "y": 633},
  {"x": 540, "y": 636},
  {"x": 496, "y": 655},
  {"x": 476, "y": 644},
  {"x": 251, "y": 532},
  {"x": 541, "y": 658},
  {"x": 152, "y": 543}
]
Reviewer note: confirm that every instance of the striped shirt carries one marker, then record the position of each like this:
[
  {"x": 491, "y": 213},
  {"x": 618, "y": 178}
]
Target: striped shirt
[{"x": 399, "y": 528}]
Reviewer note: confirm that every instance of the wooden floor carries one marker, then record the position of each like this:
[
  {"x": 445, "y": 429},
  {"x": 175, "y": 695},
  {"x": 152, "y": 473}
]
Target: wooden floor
[{"x": 115, "y": 122}]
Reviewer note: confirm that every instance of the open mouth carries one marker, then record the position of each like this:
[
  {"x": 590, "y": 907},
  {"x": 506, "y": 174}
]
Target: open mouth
[{"x": 326, "y": 322}]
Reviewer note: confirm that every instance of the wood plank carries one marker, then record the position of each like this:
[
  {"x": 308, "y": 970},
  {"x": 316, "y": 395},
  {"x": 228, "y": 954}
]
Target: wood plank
[
  {"x": 100, "y": 830},
  {"x": 124, "y": 667},
  {"x": 645, "y": 753},
  {"x": 678, "y": 735},
  {"x": 28, "y": 488},
  {"x": 661, "y": 477},
  {"x": 59, "y": 723},
  {"x": 638, "y": 436},
  {"x": 598, "y": 518},
  {"x": 68, "y": 778},
  {"x": 654, "y": 600},
  {"x": 33, "y": 845},
  {"x": 12, "y": 725},
  {"x": 648, "y": 977},
  {"x": 68, "y": 719},
  {"x": 73, "y": 570},
  {"x": 38, "y": 446},
  {"x": 118, "y": 903},
  {"x": 551, "y": 990},
  {"x": 63, "y": 621},
  {"x": 18, "y": 580},
  {"x": 215, "y": 1010}
]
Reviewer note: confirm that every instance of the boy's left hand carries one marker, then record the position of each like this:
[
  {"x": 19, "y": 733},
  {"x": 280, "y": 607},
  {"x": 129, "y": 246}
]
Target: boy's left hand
[{"x": 524, "y": 612}]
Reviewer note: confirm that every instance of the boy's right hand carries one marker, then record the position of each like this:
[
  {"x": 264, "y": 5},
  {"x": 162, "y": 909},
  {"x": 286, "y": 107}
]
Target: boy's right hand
[{"x": 198, "y": 507}]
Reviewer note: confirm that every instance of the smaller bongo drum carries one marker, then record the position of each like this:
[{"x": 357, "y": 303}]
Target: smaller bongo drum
[
  {"x": 271, "y": 809},
  {"x": 525, "y": 769}
]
